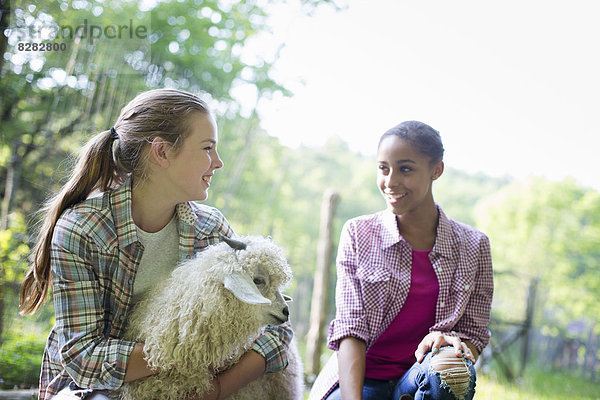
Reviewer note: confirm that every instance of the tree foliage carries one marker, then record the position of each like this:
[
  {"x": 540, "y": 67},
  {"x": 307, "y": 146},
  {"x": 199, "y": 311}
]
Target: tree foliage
[
  {"x": 550, "y": 231},
  {"x": 458, "y": 192},
  {"x": 21, "y": 361}
]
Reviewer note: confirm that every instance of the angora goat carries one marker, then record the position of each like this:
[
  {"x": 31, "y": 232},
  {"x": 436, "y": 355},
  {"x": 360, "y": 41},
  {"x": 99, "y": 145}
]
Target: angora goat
[{"x": 207, "y": 315}]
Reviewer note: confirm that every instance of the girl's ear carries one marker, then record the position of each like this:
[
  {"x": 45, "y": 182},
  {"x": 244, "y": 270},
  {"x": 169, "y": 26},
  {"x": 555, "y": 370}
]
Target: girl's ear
[
  {"x": 437, "y": 170},
  {"x": 159, "y": 149}
]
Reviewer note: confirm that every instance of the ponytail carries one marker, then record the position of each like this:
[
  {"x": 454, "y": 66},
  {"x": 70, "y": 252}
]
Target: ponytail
[{"x": 95, "y": 170}]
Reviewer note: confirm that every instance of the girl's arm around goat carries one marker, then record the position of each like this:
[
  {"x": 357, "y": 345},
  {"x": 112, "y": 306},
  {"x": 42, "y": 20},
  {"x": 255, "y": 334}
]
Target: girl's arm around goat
[{"x": 250, "y": 367}]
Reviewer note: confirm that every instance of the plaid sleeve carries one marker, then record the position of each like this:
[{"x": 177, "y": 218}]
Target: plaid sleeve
[
  {"x": 211, "y": 223},
  {"x": 222, "y": 225},
  {"x": 350, "y": 319},
  {"x": 91, "y": 360},
  {"x": 473, "y": 324},
  {"x": 273, "y": 345}
]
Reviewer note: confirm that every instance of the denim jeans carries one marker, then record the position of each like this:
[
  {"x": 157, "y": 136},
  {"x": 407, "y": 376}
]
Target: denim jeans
[{"x": 421, "y": 381}]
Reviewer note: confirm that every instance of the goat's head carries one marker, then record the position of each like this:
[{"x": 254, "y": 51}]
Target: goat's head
[{"x": 260, "y": 273}]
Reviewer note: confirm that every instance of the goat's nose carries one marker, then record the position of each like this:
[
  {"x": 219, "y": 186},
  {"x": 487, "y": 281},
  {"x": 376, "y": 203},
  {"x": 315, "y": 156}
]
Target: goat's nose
[{"x": 286, "y": 311}]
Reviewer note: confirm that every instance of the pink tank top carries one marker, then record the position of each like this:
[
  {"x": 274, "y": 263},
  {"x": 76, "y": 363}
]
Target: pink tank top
[{"x": 393, "y": 352}]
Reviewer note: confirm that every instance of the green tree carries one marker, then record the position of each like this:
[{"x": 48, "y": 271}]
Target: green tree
[
  {"x": 546, "y": 230},
  {"x": 458, "y": 192}
]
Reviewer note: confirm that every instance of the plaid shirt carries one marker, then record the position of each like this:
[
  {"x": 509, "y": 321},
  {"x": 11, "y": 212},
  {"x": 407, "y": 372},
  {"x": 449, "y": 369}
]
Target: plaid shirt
[
  {"x": 95, "y": 256},
  {"x": 374, "y": 273}
]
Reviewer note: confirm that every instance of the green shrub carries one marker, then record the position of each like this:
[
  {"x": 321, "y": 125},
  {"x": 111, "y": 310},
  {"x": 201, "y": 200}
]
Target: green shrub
[{"x": 21, "y": 360}]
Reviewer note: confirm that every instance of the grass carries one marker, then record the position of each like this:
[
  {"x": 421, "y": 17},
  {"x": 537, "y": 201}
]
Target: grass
[{"x": 538, "y": 385}]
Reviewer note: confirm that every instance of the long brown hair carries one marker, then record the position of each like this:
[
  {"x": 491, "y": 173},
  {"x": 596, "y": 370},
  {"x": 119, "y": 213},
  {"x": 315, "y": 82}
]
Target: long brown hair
[{"x": 105, "y": 163}]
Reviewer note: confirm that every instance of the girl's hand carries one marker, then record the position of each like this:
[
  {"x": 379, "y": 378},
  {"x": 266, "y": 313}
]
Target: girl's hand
[
  {"x": 272, "y": 345},
  {"x": 435, "y": 340}
]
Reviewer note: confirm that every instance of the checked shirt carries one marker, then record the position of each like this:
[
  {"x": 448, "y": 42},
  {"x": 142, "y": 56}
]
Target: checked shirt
[
  {"x": 374, "y": 273},
  {"x": 94, "y": 259}
]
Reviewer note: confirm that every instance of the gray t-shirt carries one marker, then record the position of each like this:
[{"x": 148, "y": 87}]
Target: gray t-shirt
[{"x": 161, "y": 254}]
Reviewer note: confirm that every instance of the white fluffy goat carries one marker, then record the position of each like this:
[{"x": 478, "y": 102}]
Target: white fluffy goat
[{"x": 207, "y": 315}]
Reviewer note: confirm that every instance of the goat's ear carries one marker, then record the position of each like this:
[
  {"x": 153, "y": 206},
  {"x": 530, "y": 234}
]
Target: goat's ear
[{"x": 242, "y": 287}]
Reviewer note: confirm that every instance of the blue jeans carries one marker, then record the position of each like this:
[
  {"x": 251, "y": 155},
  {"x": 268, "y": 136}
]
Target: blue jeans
[{"x": 421, "y": 381}]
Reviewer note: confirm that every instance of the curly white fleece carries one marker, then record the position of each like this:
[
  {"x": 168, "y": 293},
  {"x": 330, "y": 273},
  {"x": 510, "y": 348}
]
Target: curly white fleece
[{"x": 191, "y": 325}]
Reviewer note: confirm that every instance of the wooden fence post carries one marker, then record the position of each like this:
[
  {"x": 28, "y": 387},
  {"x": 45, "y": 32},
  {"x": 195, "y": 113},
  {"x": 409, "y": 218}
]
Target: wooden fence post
[
  {"x": 531, "y": 295},
  {"x": 591, "y": 353},
  {"x": 2, "y": 291},
  {"x": 318, "y": 309}
]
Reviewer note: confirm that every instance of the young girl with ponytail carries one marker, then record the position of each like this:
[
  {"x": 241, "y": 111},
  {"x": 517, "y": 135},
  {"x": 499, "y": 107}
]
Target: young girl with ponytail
[{"x": 119, "y": 225}]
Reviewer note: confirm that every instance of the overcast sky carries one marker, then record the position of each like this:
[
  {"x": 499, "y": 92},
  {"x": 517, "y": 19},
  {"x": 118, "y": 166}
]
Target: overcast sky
[{"x": 513, "y": 86}]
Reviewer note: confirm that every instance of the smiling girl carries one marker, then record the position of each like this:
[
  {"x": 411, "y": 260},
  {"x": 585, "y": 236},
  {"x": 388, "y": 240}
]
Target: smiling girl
[
  {"x": 414, "y": 287},
  {"x": 120, "y": 225}
]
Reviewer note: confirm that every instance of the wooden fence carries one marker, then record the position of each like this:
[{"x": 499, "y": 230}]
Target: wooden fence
[{"x": 515, "y": 344}]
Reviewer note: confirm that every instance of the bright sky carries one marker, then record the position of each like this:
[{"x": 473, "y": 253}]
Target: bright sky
[{"x": 512, "y": 86}]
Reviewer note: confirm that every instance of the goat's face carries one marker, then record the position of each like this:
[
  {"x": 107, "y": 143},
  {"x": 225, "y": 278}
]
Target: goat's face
[
  {"x": 277, "y": 312},
  {"x": 258, "y": 272},
  {"x": 259, "y": 288}
]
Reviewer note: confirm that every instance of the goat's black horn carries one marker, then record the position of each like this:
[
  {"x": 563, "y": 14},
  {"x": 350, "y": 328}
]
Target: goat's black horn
[{"x": 234, "y": 244}]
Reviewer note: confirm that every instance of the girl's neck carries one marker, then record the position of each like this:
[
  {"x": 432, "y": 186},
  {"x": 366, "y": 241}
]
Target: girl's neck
[
  {"x": 150, "y": 210},
  {"x": 419, "y": 227}
]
